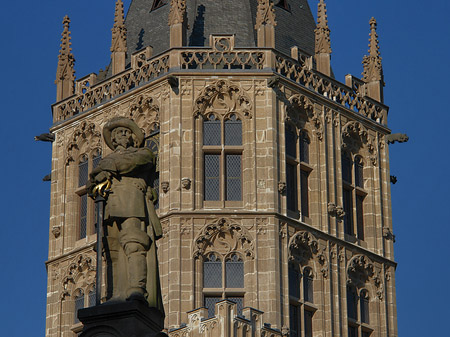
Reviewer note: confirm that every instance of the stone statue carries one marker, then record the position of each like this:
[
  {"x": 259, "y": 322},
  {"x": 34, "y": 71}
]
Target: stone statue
[{"x": 131, "y": 224}]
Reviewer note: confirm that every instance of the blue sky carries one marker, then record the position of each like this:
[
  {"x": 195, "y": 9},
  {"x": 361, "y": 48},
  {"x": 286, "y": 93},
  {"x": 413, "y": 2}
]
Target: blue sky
[{"x": 415, "y": 46}]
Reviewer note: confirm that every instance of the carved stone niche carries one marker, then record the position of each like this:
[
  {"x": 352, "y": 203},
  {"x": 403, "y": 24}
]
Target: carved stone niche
[
  {"x": 360, "y": 270},
  {"x": 302, "y": 247},
  {"x": 223, "y": 236},
  {"x": 224, "y": 98},
  {"x": 300, "y": 110}
]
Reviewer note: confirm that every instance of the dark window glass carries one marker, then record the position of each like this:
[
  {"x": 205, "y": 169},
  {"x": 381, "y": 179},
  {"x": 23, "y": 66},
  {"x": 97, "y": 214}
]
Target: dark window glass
[
  {"x": 352, "y": 331},
  {"x": 352, "y": 303},
  {"x": 156, "y": 189},
  {"x": 83, "y": 216},
  {"x": 359, "y": 181},
  {"x": 153, "y": 144},
  {"x": 79, "y": 304},
  {"x": 234, "y": 182},
  {"x": 308, "y": 323},
  {"x": 92, "y": 296},
  {"x": 157, "y": 4},
  {"x": 346, "y": 168},
  {"x": 234, "y": 272},
  {"x": 364, "y": 305},
  {"x": 210, "y": 304},
  {"x": 83, "y": 170},
  {"x": 308, "y": 289},
  {"x": 239, "y": 304},
  {"x": 96, "y": 160},
  {"x": 291, "y": 141},
  {"x": 348, "y": 209},
  {"x": 291, "y": 187},
  {"x": 233, "y": 131},
  {"x": 294, "y": 282},
  {"x": 360, "y": 216},
  {"x": 366, "y": 334},
  {"x": 212, "y": 173},
  {"x": 304, "y": 193},
  {"x": 304, "y": 147},
  {"x": 212, "y": 272},
  {"x": 294, "y": 320},
  {"x": 211, "y": 131}
]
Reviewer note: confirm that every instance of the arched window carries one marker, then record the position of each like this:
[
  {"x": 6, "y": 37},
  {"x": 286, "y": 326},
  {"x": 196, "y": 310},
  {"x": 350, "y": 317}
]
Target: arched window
[
  {"x": 358, "y": 313},
  {"x": 86, "y": 207},
  {"x": 78, "y": 303},
  {"x": 297, "y": 170},
  {"x": 152, "y": 142},
  {"x": 223, "y": 278},
  {"x": 353, "y": 195},
  {"x": 301, "y": 298},
  {"x": 222, "y": 150},
  {"x": 92, "y": 296}
]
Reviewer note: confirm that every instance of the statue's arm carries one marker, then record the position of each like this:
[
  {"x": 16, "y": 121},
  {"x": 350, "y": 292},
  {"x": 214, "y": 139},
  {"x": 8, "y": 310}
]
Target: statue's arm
[{"x": 128, "y": 162}]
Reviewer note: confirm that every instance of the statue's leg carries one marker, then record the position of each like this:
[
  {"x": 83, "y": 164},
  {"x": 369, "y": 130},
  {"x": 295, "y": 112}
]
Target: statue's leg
[{"x": 135, "y": 244}]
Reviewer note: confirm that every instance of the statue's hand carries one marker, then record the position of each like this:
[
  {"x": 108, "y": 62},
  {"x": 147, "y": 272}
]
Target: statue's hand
[{"x": 97, "y": 179}]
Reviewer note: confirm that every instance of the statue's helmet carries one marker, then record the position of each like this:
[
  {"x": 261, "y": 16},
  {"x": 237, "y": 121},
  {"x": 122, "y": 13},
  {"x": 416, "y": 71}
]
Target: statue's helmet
[{"x": 125, "y": 122}]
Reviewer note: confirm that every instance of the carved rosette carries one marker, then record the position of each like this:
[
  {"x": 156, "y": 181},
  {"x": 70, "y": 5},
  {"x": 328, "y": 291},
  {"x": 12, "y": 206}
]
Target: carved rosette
[
  {"x": 85, "y": 133},
  {"x": 223, "y": 236},
  {"x": 300, "y": 111},
  {"x": 223, "y": 97}
]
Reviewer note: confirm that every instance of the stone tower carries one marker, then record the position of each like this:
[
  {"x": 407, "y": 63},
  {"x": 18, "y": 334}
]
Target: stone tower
[{"x": 274, "y": 183}]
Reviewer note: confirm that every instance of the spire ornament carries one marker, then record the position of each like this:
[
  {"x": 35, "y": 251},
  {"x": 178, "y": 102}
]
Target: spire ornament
[
  {"x": 119, "y": 32},
  {"x": 177, "y": 12},
  {"x": 65, "y": 73},
  {"x": 323, "y": 44},
  {"x": 177, "y": 23},
  {"x": 373, "y": 70},
  {"x": 119, "y": 40},
  {"x": 265, "y": 14},
  {"x": 265, "y": 24}
]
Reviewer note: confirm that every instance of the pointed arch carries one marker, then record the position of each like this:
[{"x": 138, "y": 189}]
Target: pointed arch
[{"x": 84, "y": 139}]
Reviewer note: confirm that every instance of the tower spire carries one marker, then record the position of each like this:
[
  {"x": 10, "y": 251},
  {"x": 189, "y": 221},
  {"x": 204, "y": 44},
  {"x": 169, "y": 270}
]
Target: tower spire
[
  {"x": 177, "y": 23},
  {"x": 119, "y": 40},
  {"x": 373, "y": 69},
  {"x": 265, "y": 24},
  {"x": 65, "y": 73},
  {"x": 323, "y": 44}
]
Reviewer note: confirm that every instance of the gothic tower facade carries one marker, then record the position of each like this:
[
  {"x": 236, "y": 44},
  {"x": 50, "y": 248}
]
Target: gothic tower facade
[{"x": 273, "y": 177}]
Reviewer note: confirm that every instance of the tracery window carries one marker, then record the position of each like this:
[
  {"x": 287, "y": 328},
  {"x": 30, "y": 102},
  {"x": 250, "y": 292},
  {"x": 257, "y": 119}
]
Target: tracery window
[
  {"x": 222, "y": 152},
  {"x": 223, "y": 278},
  {"x": 301, "y": 301},
  {"x": 78, "y": 303},
  {"x": 87, "y": 207},
  {"x": 297, "y": 170},
  {"x": 353, "y": 195},
  {"x": 358, "y": 312}
]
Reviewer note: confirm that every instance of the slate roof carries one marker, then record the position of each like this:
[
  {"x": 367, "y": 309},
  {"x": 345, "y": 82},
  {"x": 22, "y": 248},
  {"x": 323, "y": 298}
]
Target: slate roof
[{"x": 146, "y": 27}]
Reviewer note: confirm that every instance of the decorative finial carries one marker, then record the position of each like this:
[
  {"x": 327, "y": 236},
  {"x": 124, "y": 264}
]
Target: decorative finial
[
  {"x": 323, "y": 45},
  {"x": 177, "y": 12},
  {"x": 373, "y": 70},
  {"x": 265, "y": 14},
  {"x": 65, "y": 73},
  {"x": 119, "y": 32}
]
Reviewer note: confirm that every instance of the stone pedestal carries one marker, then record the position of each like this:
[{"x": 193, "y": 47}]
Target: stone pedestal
[{"x": 124, "y": 319}]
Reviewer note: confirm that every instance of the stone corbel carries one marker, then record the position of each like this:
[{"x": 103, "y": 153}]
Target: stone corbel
[
  {"x": 336, "y": 211},
  {"x": 281, "y": 187},
  {"x": 56, "y": 231},
  {"x": 165, "y": 186},
  {"x": 186, "y": 183}
]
